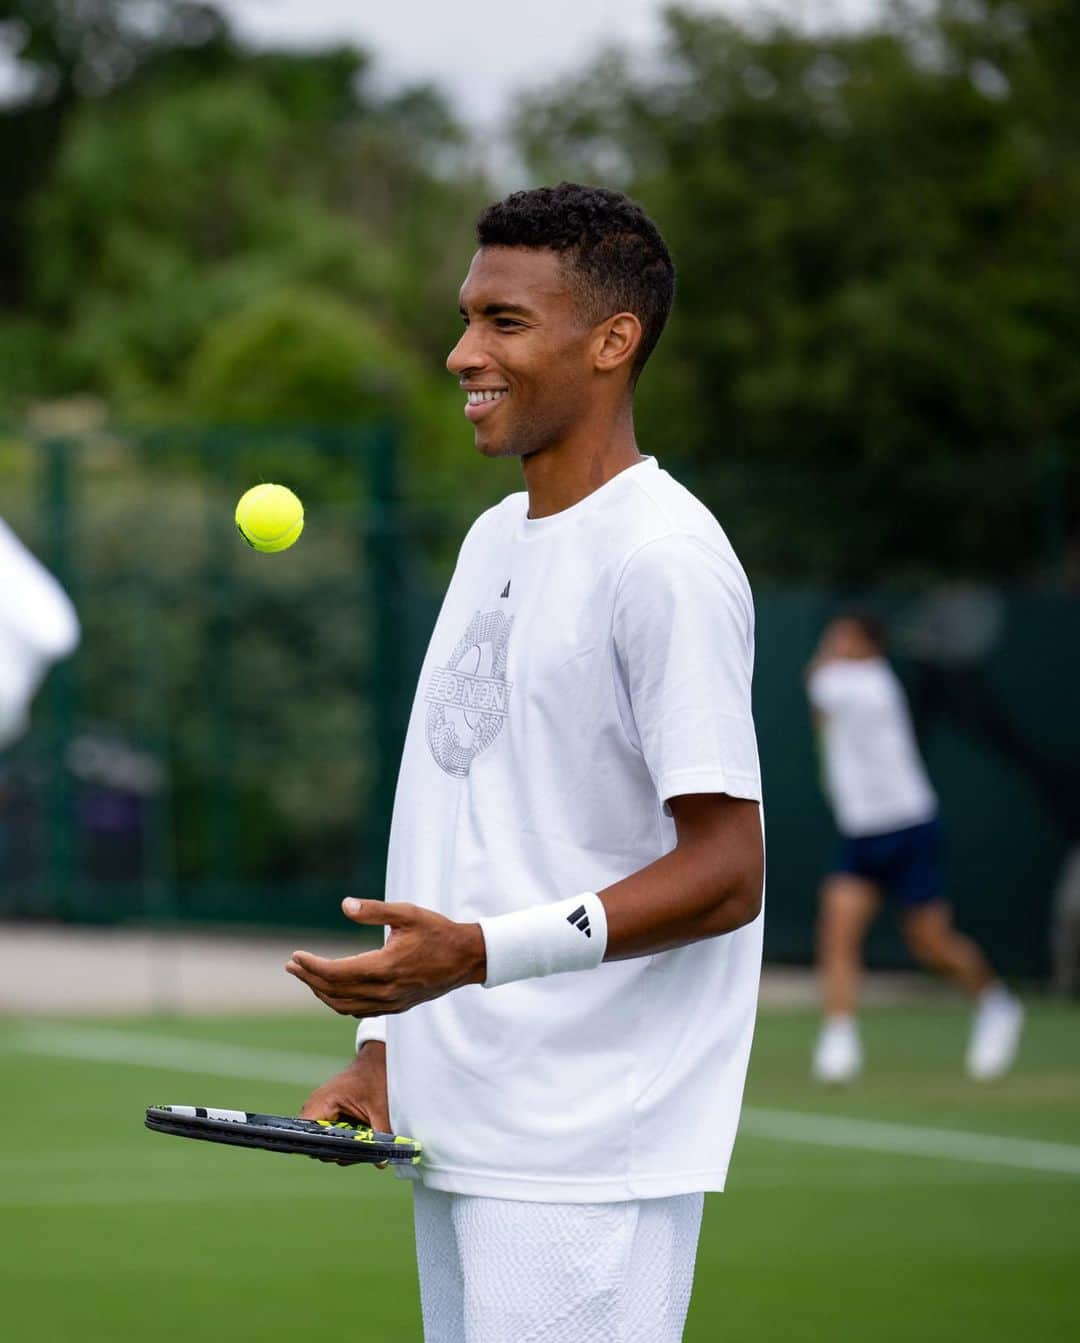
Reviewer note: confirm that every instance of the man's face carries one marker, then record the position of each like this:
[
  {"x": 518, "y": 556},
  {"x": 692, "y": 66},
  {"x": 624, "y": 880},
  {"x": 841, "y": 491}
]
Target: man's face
[
  {"x": 524, "y": 358},
  {"x": 845, "y": 638}
]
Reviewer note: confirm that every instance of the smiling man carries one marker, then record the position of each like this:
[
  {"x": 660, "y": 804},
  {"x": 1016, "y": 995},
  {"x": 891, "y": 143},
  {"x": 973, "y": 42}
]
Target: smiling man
[{"x": 565, "y": 1001}]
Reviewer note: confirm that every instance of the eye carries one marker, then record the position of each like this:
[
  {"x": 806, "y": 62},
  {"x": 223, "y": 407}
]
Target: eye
[{"x": 506, "y": 323}]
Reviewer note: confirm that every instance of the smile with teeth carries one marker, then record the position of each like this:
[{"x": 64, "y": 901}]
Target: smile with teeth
[{"x": 477, "y": 398}]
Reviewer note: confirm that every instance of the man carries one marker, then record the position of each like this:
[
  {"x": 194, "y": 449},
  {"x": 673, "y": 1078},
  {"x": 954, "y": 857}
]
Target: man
[
  {"x": 890, "y": 845},
  {"x": 565, "y": 1001}
]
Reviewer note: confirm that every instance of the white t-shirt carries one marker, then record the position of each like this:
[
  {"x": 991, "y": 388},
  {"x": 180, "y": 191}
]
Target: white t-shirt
[
  {"x": 38, "y": 626},
  {"x": 584, "y": 668},
  {"x": 874, "y": 775}
]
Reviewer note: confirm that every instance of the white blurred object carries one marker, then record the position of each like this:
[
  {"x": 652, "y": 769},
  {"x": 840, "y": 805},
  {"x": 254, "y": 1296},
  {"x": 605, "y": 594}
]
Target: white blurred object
[
  {"x": 995, "y": 1035},
  {"x": 838, "y": 1055},
  {"x": 955, "y": 625},
  {"x": 38, "y": 626}
]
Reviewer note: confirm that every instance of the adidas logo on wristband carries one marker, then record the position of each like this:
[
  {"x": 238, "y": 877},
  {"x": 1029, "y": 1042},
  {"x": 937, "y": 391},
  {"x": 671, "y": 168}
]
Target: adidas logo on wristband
[{"x": 580, "y": 920}]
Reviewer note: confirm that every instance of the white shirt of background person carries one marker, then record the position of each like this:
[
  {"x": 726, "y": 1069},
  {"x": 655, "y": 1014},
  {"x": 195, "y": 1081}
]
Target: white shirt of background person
[{"x": 874, "y": 774}]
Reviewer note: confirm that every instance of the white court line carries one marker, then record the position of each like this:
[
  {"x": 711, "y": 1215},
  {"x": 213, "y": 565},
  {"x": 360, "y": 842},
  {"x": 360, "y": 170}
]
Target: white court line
[
  {"x": 791, "y": 1126},
  {"x": 182, "y": 1055},
  {"x": 101, "y": 1194},
  {"x": 875, "y": 1135}
]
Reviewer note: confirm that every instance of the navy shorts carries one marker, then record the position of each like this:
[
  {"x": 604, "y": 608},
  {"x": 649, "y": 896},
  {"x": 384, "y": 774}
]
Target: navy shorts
[{"x": 907, "y": 863}]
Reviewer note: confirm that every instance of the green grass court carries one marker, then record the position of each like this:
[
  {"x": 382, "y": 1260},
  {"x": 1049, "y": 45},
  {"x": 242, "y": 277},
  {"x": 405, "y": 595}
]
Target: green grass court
[{"x": 828, "y": 1231}]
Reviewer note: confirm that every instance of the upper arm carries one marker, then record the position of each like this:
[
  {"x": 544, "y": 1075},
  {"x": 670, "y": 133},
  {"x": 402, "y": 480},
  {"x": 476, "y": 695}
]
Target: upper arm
[
  {"x": 683, "y": 635},
  {"x": 727, "y": 833}
]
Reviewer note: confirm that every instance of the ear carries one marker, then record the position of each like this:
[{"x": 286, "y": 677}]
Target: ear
[{"x": 617, "y": 341}]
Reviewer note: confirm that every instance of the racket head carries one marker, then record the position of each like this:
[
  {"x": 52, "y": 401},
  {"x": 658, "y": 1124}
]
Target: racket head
[{"x": 347, "y": 1143}]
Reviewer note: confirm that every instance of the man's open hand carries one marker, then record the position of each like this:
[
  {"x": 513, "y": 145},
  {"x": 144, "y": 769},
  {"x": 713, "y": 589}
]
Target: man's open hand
[{"x": 424, "y": 957}]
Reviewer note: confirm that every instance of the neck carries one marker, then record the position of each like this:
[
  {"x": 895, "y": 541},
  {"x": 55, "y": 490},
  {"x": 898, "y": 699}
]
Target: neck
[{"x": 565, "y": 473}]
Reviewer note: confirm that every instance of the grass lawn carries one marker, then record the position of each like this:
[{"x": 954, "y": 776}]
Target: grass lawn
[{"x": 112, "y": 1233}]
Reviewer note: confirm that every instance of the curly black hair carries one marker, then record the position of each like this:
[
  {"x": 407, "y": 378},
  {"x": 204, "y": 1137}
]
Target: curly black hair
[{"x": 614, "y": 254}]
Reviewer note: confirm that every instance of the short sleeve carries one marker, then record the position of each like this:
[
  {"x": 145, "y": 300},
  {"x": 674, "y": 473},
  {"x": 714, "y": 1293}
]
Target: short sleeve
[
  {"x": 370, "y": 1028},
  {"x": 684, "y": 647}
]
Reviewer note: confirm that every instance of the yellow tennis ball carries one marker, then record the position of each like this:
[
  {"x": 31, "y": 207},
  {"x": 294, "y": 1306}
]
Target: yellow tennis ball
[{"x": 269, "y": 518}]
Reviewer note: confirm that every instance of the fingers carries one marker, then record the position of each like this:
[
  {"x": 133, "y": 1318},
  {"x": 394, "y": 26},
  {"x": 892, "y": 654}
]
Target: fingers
[
  {"x": 377, "y": 1115},
  {"x": 350, "y": 1002},
  {"x": 373, "y": 982},
  {"x": 367, "y": 971},
  {"x": 364, "y": 975},
  {"x": 346, "y": 969},
  {"x": 378, "y": 913},
  {"x": 321, "y": 1105},
  {"x": 372, "y": 1112},
  {"x": 368, "y": 967},
  {"x": 374, "y": 1116},
  {"x": 335, "y": 976}
]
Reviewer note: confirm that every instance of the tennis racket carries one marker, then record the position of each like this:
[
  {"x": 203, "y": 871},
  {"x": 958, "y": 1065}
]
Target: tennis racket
[{"x": 349, "y": 1144}]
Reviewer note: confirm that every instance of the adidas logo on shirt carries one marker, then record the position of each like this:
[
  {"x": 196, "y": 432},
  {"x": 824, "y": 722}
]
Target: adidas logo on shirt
[
  {"x": 580, "y": 920},
  {"x": 506, "y": 590}
]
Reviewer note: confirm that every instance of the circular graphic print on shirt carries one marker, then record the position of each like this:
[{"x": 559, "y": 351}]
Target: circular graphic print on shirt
[{"x": 469, "y": 698}]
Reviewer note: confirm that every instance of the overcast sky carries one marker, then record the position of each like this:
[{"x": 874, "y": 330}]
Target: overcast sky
[{"x": 483, "y": 50}]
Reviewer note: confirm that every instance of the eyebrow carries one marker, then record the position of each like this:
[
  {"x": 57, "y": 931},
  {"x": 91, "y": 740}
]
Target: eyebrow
[{"x": 499, "y": 309}]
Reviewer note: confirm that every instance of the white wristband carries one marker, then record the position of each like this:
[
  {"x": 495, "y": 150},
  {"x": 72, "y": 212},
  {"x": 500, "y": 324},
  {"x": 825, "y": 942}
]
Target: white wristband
[
  {"x": 545, "y": 940},
  {"x": 370, "y": 1028}
]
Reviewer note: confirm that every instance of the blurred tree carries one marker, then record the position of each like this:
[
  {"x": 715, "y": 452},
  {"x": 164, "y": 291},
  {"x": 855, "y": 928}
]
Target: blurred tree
[
  {"x": 191, "y": 180},
  {"x": 876, "y": 233},
  {"x": 299, "y": 351},
  {"x": 158, "y": 223},
  {"x": 60, "y": 53}
]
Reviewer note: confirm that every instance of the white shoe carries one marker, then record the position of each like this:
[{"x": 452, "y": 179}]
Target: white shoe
[
  {"x": 838, "y": 1054},
  {"x": 995, "y": 1035}
]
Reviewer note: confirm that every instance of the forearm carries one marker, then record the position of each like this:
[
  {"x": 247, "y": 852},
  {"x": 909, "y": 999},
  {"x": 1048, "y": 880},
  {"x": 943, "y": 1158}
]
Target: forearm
[
  {"x": 700, "y": 889},
  {"x": 710, "y": 883}
]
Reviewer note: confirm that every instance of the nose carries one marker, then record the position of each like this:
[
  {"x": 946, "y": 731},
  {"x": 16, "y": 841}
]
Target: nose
[{"x": 466, "y": 356}]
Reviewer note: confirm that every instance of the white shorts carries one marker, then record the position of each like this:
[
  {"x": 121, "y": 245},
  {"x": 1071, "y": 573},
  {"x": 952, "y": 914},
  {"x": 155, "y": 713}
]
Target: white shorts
[{"x": 498, "y": 1270}]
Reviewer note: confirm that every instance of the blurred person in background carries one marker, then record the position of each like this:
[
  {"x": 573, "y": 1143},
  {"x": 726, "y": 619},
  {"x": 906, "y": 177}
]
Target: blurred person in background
[
  {"x": 38, "y": 626},
  {"x": 890, "y": 848}
]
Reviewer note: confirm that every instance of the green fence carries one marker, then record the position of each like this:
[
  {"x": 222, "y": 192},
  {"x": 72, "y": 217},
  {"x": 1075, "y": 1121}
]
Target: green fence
[{"x": 224, "y": 746}]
